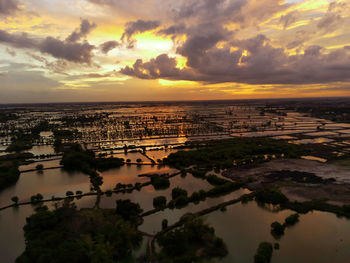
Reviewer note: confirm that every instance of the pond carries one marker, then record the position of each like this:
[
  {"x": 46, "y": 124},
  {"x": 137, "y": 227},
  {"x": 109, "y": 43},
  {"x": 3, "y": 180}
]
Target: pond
[{"x": 318, "y": 237}]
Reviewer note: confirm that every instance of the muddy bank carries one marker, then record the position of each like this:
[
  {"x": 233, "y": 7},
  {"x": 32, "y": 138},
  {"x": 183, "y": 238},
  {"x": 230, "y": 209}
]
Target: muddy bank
[{"x": 298, "y": 179}]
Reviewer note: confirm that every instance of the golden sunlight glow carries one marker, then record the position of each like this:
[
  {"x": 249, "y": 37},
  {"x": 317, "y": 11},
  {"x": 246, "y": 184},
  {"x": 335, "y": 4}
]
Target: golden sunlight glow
[{"x": 165, "y": 82}]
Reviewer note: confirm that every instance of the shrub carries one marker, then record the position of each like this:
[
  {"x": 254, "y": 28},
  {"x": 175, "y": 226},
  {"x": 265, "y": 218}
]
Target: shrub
[
  {"x": 271, "y": 196},
  {"x": 69, "y": 193},
  {"x": 159, "y": 182},
  {"x": 177, "y": 191},
  {"x": 181, "y": 201},
  {"x": 159, "y": 202},
  {"x": 264, "y": 253},
  {"x": 40, "y": 167},
  {"x": 128, "y": 210},
  {"x": 14, "y": 199},
  {"x": 291, "y": 220},
  {"x": 277, "y": 230},
  {"x": 139, "y": 160},
  {"x": 164, "y": 223},
  {"x": 215, "y": 180}
]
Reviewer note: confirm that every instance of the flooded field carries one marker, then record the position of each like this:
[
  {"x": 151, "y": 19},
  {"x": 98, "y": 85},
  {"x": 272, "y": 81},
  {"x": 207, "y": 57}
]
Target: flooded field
[{"x": 145, "y": 135}]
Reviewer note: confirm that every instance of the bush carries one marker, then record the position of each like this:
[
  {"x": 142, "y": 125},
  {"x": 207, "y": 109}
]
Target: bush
[
  {"x": 291, "y": 220},
  {"x": 183, "y": 243},
  {"x": 128, "y": 210},
  {"x": 36, "y": 198},
  {"x": 164, "y": 224},
  {"x": 177, "y": 191},
  {"x": 277, "y": 230},
  {"x": 40, "y": 167},
  {"x": 139, "y": 160},
  {"x": 78, "y": 192},
  {"x": 159, "y": 202},
  {"x": 271, "y": 196},
  {"x": 109, "y": 193},
  {"x": 69, "y": 193},
  {"x": 264, "y": 253},
  {"x": 14, "y": 199},
  {"x": 223, "y": 189},
  {"x": 198, "y": 173},
  {"x": 181, "y": 201},
  {"x": 159, "y": 182},
  {"x": 215, "y": 180}
]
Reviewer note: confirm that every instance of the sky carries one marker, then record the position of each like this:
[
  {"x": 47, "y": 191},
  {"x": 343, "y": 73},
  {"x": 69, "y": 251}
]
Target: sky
[{"x": 151, "y": 50}]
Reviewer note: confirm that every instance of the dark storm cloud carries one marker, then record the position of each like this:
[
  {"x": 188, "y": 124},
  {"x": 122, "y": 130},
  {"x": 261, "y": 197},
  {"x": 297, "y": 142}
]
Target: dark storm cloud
[
  {"x": 8, "y": 7},
  {"x": 108, "y": 46},
  {"x": 85, "y": 28},
  {"x": 263, "y": 64},
  {"x": 137, "y": 27},
  {"x": 74, "y": 52},
  {"x": 173, "y": 30},
  {"x": 214, "y": 54}
]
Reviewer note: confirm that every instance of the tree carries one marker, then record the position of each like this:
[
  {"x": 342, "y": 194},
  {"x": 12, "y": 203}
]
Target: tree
[
  {"x": 40, "y": 167},
  {"x": 164, "y": 224},
  {"x": 277, "y": 230},
  {"x": 69, "y": 193},
  {"x": 159, "y": 202},
  {"x": 291, "y": 220},
  {"x": 128, "y": 210},
  {"x": 264, "y": 253},
  {"x": 177, "y": 191},
  {"x": 14, "y": 199}
]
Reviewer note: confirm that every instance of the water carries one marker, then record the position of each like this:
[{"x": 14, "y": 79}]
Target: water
[{"x": 318, "y": 237}]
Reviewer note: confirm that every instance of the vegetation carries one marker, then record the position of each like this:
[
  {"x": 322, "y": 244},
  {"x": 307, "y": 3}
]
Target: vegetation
[
  {"x": 177, "y": 192},
  {"x": 129, "y": 211},
  {"x": 69, "y": 235},
  {"x": 160, "y": 182},
  {"x": 36, "y": 198},
  {"x": 215, "y": 180},
  {"x": 291, "y": 220},
  {"x": 39, "y": 167},
  {"x": 277, "y": 230},
  {"x": 192, "y": 242},
  {"x": 223, "y": 153},
  {"x": 19, "y": 145},
  {"x": 271, "y": 195},
  {"x": 264, "y": 253},
  {"x": 159, "y": 202},
  {"x": 14, "y": 199},
  {"x": 9, "y": 174}
]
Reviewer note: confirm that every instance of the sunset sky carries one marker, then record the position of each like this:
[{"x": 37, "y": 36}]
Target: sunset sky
[{"x": 132, "y": 50}]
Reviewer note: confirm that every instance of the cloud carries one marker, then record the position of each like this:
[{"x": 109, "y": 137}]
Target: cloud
[
  {"x": 11, "y": 52},
  {"x": 289, "y": 19},
  {"x": 137, "y": 27},
  {"x": 17, "y": 40},
  {"x": 85, "y": 28},
  {"x": 8, "y": 7},
  {"x": 173, "y": 30},
  {"x": 333, "y": 17},
  {"x": 108, "y": 46},
  {"x": 74, "y": 52},
  {"x": 262, "y": 64}
]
